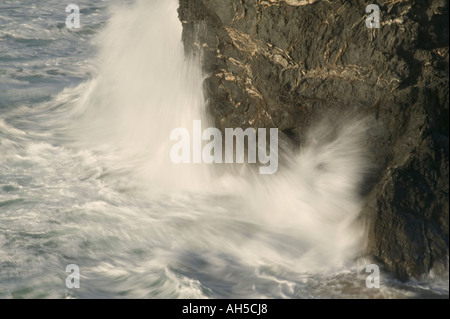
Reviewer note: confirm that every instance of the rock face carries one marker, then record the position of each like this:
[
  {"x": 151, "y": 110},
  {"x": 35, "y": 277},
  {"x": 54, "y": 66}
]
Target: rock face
[{"x": 286, "y": 63}]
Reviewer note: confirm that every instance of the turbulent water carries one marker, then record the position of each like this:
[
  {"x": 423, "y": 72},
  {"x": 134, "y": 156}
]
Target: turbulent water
[{"x": 86, "y": 177}]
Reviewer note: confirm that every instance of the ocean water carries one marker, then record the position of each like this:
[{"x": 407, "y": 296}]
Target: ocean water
[{"x": 86, "y": 178}]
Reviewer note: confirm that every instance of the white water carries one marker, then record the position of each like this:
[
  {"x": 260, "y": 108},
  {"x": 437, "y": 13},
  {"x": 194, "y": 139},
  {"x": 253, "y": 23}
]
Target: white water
[
  {"x": 146, "y": 87},
  {"x": 87, "y": 180}
]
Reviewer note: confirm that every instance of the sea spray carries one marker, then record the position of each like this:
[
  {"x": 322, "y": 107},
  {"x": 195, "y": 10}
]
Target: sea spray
[
  {"x": 146, "y": 87},
  {"x": 93, "y": 165}
]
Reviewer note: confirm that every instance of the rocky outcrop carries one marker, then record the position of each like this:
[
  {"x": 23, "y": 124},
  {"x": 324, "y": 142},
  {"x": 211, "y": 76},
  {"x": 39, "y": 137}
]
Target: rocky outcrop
[{"x": 283, "y": 64}]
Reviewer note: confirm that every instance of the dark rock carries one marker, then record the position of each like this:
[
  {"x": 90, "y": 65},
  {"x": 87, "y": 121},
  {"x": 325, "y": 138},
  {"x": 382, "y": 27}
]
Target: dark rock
[{"x": 286, "y": 63}]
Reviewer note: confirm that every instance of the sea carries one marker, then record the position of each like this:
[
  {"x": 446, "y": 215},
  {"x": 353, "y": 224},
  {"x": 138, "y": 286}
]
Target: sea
[{"x": 92, "y": 206}]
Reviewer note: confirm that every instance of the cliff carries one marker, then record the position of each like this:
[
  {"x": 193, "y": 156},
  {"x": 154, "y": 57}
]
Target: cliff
[{"x": 287, "y": 63}]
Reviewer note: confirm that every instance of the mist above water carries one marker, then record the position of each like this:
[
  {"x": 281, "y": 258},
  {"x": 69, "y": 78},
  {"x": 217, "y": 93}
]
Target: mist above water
[{"x": 146, "y": 87}]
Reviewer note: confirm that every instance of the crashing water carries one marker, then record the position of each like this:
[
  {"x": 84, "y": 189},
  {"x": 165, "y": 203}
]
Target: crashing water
[{"x": 86, "y": 178}]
